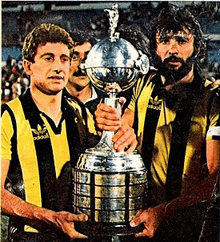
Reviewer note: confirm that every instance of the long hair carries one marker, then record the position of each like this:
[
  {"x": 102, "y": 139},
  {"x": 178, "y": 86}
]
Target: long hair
[{"x": 172, "y": 18}]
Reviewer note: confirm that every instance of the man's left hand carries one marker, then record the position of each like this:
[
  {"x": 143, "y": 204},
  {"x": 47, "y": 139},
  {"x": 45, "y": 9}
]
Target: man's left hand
[
  {"x": 125, "y": 138},
  {"x": 151, "y": 218}
]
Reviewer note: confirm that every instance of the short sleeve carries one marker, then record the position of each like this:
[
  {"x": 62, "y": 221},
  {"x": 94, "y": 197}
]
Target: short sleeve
[
  {"x": 6, "y": 135},
  {"x": 214, "y": 119}
]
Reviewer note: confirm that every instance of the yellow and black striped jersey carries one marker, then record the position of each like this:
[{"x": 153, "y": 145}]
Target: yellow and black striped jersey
[
  {"x": 41, "y": 154},
  {"x": 172, "y": 129}
]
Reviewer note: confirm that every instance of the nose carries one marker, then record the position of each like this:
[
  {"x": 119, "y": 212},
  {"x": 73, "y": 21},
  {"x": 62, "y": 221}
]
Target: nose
[
  {"x": 81, "y": 66},
  {"x": 83, "y": 59},
  {"x": 173, "y": 50},
  {"x": 57, "y": 66}
]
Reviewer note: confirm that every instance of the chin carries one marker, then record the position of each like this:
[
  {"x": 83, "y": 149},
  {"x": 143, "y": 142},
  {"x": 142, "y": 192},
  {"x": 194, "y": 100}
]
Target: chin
[{"x": 54, "y": 92}]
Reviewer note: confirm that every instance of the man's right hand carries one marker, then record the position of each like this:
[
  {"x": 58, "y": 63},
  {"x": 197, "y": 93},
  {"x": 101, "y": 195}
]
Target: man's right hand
[
  {"x": 65, "y": 221},
  {"x": 107, "y": 118},
  {"x": 62, "y": 221}
]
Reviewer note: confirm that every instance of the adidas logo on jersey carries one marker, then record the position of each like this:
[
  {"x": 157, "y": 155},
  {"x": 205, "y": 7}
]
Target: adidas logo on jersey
[
  {"x": 155, "y": 104},
  {"x": 40, "y": 133}
]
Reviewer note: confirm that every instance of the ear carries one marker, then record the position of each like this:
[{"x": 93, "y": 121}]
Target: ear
[{"x": 27, "y": 67}]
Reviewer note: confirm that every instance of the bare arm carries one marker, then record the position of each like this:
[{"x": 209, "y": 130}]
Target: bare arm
[
  {"x": 152, "y": 217},
  {"x": 14, "y": 206}
]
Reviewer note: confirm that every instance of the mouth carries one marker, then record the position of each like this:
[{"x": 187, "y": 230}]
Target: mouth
[
  {"x": 56, "y": 77},
  {"x": 174, "y": 63}
]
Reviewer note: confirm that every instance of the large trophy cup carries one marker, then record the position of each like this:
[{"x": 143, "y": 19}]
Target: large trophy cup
[{"x": 110, "y": 186}]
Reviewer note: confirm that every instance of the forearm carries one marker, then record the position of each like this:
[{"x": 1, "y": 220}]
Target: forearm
[
  {"x": 198, "y": 193},
  {"x": 128, "y": 117},
  {"x": 203, "y": 190},
  {"x": 36, "y": 216},
  {"x": 12, "y": 205}
]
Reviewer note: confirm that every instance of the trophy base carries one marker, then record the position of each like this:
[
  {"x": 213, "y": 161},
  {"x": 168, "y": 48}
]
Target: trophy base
[{"x": 92, "y": 229}]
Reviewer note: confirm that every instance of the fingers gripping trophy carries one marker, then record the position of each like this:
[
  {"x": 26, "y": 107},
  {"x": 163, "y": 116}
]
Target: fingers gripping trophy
[{"x": 111, "y": 186}]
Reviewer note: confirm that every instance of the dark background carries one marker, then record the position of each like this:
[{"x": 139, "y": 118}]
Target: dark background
[{"x": 20, "y": 17}]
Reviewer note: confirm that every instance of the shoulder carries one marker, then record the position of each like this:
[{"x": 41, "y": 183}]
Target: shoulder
[
  {"x": 146, "y": 80},
  {"x": 211, "y": 91},
  {"x": 71, "y": 101},
  {"x": 12, "y": 106},
  {"x": 75, "y": 107}
]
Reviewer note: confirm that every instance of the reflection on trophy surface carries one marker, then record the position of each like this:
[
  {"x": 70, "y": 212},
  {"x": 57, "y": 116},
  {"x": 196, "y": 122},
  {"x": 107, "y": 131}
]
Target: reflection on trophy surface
[{"x": 111, "y": 186}]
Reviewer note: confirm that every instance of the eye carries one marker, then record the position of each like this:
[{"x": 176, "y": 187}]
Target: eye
[
  {"x": 74, "y": 57},
  {"x": 164, "y": 39},
  {"x": 65, "y": 59},
  {"x": 181, "y": 40},
  {"x": 48, "y": 58}
]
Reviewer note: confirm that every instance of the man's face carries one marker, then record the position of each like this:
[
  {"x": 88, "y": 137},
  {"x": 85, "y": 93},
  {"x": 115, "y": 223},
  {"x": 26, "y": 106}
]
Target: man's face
[
  {"x": 77, "y": 77},
  {"x": 50, "y": 70},
  {"x": 175, "y": 51}
]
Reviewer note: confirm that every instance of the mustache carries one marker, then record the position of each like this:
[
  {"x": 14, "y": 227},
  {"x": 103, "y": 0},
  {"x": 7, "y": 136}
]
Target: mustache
[
  {"x": 79, "y": 73},
  {"x": 173, "y": 59}
]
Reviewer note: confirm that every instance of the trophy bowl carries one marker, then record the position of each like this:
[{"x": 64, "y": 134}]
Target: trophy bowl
[{"x": 111, "y": 62}]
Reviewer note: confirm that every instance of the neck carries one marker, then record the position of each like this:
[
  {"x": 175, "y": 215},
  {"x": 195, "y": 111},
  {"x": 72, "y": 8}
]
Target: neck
[
  {"x": 186, "y": 79},
  {"x": 82, "y": 95},
  {"x": 49, "y": 104}
]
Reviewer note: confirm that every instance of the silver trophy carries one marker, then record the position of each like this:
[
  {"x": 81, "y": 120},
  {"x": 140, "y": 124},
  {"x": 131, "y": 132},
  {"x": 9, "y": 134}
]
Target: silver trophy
[{"x": 111, "y": 186}]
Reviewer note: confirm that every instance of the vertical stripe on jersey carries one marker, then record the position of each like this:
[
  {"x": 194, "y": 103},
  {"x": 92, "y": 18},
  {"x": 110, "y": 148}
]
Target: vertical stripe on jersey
[
  {"x": 45, "y": 158},
  {"x": 76, "y": 131},
  {"x": 180, "y": 132},
  {"x": 151, "y": 122},
  {"x": 150, "y": 126},
  {"x": 14, "y": 177}
]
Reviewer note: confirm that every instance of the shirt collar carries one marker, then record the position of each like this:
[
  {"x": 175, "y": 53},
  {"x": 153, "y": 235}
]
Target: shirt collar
[{"x": 94, "y": 95}]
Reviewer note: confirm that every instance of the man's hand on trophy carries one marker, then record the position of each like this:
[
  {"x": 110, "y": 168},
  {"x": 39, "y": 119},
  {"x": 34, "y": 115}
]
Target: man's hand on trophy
[
  {"x": 65, "y": 221},
  {"x": 151, "y": 218},
  {"x": 125, "y": 139},
  {"x": 107, "y": 118},
  {"x": 215, "y": 83}
]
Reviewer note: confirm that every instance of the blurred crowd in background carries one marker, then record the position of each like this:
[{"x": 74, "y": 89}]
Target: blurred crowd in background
[{"x": 14, "y": 81}]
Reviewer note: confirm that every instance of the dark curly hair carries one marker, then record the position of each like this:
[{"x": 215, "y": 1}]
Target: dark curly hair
[
  {"x": 172, "y": 18},
  {"x": 81, "y": 36},
  {"x": 43, "y": 34}
]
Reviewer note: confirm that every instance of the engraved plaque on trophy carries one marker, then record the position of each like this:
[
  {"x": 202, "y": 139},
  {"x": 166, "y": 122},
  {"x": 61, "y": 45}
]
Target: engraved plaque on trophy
[{"x": 111, "y": 186}]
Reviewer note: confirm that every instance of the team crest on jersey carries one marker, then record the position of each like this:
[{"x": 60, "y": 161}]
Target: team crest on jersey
[
  {"x": 40, "y": 133},
  {"x": 155, "y": 104}
]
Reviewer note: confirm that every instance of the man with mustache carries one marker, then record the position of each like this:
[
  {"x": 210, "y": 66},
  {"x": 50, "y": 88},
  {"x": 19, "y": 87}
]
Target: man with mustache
[
  {"x": 79, "y": 85},
  {"x": 176, "y": 117}
]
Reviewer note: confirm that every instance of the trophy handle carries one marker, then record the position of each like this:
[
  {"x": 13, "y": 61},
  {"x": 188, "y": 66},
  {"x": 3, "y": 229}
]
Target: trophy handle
[{"x": 106, "y": 139}]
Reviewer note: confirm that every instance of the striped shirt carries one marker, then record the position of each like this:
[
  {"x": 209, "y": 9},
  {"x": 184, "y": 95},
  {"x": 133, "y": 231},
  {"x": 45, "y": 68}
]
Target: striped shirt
[{"x": 172, "y": 130}]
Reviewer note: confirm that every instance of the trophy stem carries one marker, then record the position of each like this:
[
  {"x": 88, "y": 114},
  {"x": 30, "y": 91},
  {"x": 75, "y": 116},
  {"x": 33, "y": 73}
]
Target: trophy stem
[{"x": 106, "y": 142}]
